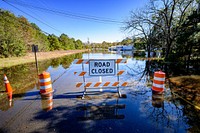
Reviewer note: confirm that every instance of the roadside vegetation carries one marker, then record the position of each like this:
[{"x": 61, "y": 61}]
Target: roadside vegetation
[
  {"x": 17, "y": 35},
  {"x": 188, "y": 87},
  {"x": 170, "y": 26},
  {"x": 173, "y": 28},
  {"x": 30, "y": 57}
]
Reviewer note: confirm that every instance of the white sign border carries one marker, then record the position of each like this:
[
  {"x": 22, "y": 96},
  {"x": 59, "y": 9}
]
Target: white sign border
[{"x": 104, "y": 60}]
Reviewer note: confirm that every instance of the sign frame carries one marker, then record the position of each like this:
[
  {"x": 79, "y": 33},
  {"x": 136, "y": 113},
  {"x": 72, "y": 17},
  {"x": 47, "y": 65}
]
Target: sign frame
[
  {"x": 34, "y": 48},
  {"x": 111, "y": 61}
]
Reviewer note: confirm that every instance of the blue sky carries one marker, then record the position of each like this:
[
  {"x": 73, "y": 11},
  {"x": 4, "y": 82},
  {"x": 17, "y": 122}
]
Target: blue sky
[{"x": 80, "y": 19}]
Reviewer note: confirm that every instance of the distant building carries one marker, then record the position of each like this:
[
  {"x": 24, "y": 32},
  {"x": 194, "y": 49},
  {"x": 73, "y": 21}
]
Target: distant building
[
  {"x": 122, "y": 48},
  {"x": 127, "y": 48}
]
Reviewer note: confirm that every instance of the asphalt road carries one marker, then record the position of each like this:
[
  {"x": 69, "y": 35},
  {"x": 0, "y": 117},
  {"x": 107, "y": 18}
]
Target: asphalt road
[{"x": 67, "y": 111}]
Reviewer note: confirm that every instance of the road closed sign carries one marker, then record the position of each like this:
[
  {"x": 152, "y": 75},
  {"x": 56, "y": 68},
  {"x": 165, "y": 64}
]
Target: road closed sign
[{"x": 102, "y": 67}]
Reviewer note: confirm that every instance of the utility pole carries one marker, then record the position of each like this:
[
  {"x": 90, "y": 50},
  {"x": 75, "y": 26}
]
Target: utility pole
[{"x": 88, "y": 42}]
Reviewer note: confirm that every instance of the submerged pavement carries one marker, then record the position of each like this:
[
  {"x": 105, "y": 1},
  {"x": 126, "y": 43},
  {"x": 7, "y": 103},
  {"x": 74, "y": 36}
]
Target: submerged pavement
[{"x": 66, "y": 112}]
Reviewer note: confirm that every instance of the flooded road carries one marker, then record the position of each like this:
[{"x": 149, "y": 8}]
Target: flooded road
[{"x": 66, "y": 111}]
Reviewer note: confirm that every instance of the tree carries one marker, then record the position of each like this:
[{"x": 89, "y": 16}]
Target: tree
[
  {"x": 26, "y": 31},
  {"x": 189, "y": 39},
  {"x": 78, "y": 44},
  {"x": 139, "y": 43},
  {"x": 17, "y": 35},
  {"x": 162, "y": 20},
  {"x": 35, "y": 27},
  {"x": 169, "y": 16},
  {"x": 72, "y": 43},
  {"x": 42, "y": 41},
  {"x": 141, "y": 27},
  {"x": 126, "y": 41},
  {"x": 64, "y": 41},
  {"x": 11, "y": 42},
  {"x": 53, "y": 43}
]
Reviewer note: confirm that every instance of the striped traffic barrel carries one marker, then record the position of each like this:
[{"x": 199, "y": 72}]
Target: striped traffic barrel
[
  {"x": 47, "y": 101},
  {"x": 158, "y": 82},
  {"x": 45, "y": 83}
]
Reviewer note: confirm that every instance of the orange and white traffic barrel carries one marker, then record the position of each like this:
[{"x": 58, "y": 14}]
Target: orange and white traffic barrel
[
  {"x": 45, "y": 83},
  {"x": 7, "y": 85},
  {"x": 47, "y": 101},
  {"x": 158, "y": 82}
]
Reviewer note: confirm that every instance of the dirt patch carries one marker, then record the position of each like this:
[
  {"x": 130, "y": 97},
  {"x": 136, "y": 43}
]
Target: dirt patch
[
  {"x": 190, "y": 82},
  {"x": 53, "y": 54},
  {"x": 187, "y": 87}
]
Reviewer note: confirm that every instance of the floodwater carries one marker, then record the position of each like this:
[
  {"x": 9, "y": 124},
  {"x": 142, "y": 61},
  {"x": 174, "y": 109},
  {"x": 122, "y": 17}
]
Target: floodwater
[{"x": 101, "y": 110}]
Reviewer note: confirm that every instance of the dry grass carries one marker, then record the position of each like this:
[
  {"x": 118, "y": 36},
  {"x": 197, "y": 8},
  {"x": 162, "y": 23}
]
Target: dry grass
[
  {"x": 189, "y": 82},
  {"x": 187, "y": 87},
  {"x": 30, "y": 57}
]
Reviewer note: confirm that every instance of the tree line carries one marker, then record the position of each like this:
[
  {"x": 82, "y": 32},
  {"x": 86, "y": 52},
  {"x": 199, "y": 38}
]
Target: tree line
[
  {"x": 17, "y": 36},
  {"x": 105, "y": 45}
]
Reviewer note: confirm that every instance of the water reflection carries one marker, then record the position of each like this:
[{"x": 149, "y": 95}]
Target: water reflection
[
  {"x": 164, "y": 112},
  {"x": 127, "y": 54},
  {"x": 28, "y": 74},
  {"x": 23, "y": 79},
  {"x": 157, "y": 100},
  {"x": 101, "y": 112},
  {"x": 47, "y": 102},
  {"x": 163, "y": 115},
  {"x": 6, "y": 102},
  {"x": 190, "y": 113}
]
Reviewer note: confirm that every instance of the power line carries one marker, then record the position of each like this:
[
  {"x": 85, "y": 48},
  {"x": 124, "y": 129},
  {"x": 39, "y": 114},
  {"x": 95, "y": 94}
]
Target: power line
[
  {"x": 70, "y": 14},
  {"x": 33, "y": 17},
  {"x": 43, "y": 3},
  {"x": 38, "y": 16},
  {"x": 25, "y": 24}
]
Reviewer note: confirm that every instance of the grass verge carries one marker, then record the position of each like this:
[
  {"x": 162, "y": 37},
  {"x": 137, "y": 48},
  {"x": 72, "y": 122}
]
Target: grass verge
[
  {"x": 188, "y": 88},
  {"x": 30, "y": 57}
]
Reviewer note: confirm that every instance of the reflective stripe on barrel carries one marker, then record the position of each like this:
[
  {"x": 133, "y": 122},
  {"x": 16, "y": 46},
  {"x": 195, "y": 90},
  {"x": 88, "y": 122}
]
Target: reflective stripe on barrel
[
  {"x": 47, "y": 101},
  {"x": 45, "y": 83},
  {"x": 158, "y": 81}
]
